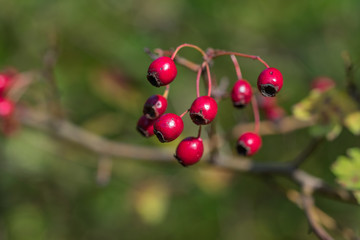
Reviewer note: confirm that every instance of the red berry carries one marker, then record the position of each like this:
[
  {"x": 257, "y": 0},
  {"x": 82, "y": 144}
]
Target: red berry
[
  {"x": 241, "y": 93},
  {"x": 203, "y": 110},
  {"x": 162, "y": 71},
  {"x": 322, "y": 84},
  {"x": 145, "y": 126},
  {"x": 189, "y": 151},
  {"x": 248, "y": 143},
  {"x": 168, "y": 127},
  {"x": 6, "y": 107},
  {"x": 4, "y": 82},
  {"x": 270, "y": 82},
  {"x": 274, "y": 114},
  {"x": 155, "y": 106},
  {"x": 266, "y": 102}
]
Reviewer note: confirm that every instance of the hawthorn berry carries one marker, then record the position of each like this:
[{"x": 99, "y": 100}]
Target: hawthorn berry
[
  {"x": 266, "y": 102},
  {"x": 248, "y": 143},
  {"x": 4, "y": 82},
  {"x": 168, "y": 127},
  {"x": 275, "y": 113},
  {"x": 270, "y": 82},
  {"x": 203, "y": 110},
  {"x": 155, "y": 106},
  {"x": 145, "y": 126},
  {"x": 6, "y": 107},
  {"x": 189, "y": 151},
  {"x": 241, "y": 93},
  {"x": 322, "y": 84},
  {"x": 162, "y": 71}
]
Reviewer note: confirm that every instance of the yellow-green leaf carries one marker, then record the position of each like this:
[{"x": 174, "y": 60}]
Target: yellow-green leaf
[
  {"x": 347, "y": 171},
  {"x": 352, "y": 122}
]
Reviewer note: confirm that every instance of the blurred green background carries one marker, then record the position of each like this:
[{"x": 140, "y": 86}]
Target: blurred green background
[{"x": 48, "y": 188}]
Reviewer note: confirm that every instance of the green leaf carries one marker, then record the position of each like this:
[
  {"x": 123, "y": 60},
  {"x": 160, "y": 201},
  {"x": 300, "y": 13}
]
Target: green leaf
[
  {"x": 347, "y": 171},
  {"x": 352, "y": 122},
  {"x": 330, "y": 109}
]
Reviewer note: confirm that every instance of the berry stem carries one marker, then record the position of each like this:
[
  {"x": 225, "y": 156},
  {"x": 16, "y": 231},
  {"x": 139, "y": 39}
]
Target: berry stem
[
  {"x": 218, "y": 53},
  {"x": 204, "y": 64},
  {"x": 255, "y": 108},
  {"x": 166, "y": 92},
  {"x": 205, "y": 56},
  {"x": 209, "y": 78},
  {"x": 184, "y": 113},
  {"x": 188, "y": 45},
  {"x": 237, "y": 67},
  {"x": 198, "y": 82},
  {"x": 199, "y": 132}
]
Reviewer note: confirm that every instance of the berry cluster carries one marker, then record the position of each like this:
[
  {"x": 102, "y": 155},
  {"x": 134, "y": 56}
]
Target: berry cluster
[{"x": 168, "y": 126}]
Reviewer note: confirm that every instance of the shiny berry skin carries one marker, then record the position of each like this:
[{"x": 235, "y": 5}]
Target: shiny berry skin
[
  {"x": 189, "y": 151},
  {"x": 155, "y": 106},
  {"x": 270, "y": 82},
  {"x": 162, "y": 71},
  {"x": 203, "y": 110},
  {"x": 6, "y": 107},
  {"x": 4, "y": 82},
  {"x": 241, "y": 93},
  {"x": 145, "y": 126},
  {"x": 322, "y": 84},
  {"x": 168, "y": 127},
  {"x": 248, "y": 144}
]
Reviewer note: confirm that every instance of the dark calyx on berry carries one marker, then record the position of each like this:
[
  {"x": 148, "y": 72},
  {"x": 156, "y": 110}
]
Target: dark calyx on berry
[
  {"x": 242, "y": 149},
  {"x": 153, "y": 79},
  {"x": 159, "y": 136},
  {"x": 198, "y": 118},
  {"x": 268, "y": 90},
  {"x": 150, "y": 112}
]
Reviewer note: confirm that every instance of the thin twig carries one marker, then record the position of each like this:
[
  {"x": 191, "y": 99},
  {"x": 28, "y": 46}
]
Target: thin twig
[
  {"x": 70, "y": 132},
  {"x": 309, "y": 209},
  {"x": 310, "y": 148}
]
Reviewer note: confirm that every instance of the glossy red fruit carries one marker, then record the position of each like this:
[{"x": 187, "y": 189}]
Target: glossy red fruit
[
  {"x": 322, "y": 83},
  {"x": 155, "y": 106},
  {"x": 203, "y": 110},
  {"x": 145, "y": 126},
  {"x": 189, "y": 151},
  {"x": 4, "y": 82},
  {"x": 168, "y": 127},
  {"x": 270, "y": 82},
  {"x": 241, "y": 93},
  {"x": 162, "y": 71},
  {"x": 248, "y": 144},
  {"x": 6, "y": 107}
]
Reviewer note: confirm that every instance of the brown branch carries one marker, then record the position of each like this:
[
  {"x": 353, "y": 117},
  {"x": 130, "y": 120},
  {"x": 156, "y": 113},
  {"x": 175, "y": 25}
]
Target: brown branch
[
  {"x": 70, "y": 132},
  {"x": 315, "y": 142},
  {"x": 322, "y": 217},
  {"x": 309, "y": 208}
]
